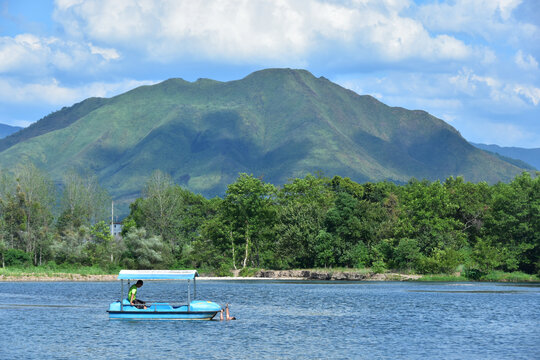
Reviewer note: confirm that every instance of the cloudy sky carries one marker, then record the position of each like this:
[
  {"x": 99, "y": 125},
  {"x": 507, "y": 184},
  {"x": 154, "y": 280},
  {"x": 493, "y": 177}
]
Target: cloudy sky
[{"x": 472, "y": 63}]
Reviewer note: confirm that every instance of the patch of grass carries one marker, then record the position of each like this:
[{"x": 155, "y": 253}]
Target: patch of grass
[
  {"x": 248, "y": 272},
  {"x": 494, "y": 276},
  {"x": 53, "y": 269},
  {"x": 515, "y": 276}
]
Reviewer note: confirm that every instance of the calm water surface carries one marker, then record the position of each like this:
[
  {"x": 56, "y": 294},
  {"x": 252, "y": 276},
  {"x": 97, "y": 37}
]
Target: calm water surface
[{"x": 278, "y": 320}]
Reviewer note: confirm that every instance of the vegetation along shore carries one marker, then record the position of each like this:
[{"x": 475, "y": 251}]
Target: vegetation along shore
[
  {"x": 320, "y": 275},
  {"x": 463, "y": 230}
]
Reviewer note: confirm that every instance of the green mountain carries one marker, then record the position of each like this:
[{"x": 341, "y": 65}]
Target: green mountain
[
  {"x": 6, "y": 130},
  {"x": 526, "y": 156},
  {"x": 276, "y": 123}
]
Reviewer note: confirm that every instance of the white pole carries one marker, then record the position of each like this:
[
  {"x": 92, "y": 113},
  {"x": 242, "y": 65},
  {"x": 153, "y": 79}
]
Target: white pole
[{"x": 112, "y": 218}]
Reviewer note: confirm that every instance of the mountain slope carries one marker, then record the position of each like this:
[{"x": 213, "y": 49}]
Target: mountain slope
[
  {"x": 6, "y": 130},
  {"x": 529, "y": 156},
  {"x": 276, "y": 123}
]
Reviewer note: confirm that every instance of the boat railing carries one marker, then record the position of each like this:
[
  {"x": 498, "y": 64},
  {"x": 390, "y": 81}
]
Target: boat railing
[
  {"x": 183, "y": 302},
  {"x": 162, "y": 302}
]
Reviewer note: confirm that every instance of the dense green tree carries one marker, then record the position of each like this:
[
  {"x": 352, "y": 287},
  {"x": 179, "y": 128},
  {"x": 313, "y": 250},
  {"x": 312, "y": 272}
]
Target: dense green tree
[
  {"x": 83, "y": 202},
  {"x": 36, "y": 197},
  {"x": 160, "y": 212},
  {"x": 145, "y": 251},
  {"x": 303, "y": 204},
  {"x": 428, "y": 215},
  {"x": 215, "y": 246},
  {"x": 513, "y": 224},
  {"x": 170, "y": 212},
  {"x": 470, "y": 204},
  {"x": 69, "y": 247},
  {"x": 423, "y": 226},
  {"x": 249, "y": 209}
]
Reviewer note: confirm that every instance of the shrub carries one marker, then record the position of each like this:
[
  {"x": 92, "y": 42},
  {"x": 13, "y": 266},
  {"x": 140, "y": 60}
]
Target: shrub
[
  {"x": 474, "y": 273},
  {"x": 407, "y": 254},
  {"x": 14, "y": 257},
  {"x": 378, "y": 267},
  {"x": 224, "y": 270},
  {"x": 248, "y": 272},
  {"x": 441, "y": 262}
]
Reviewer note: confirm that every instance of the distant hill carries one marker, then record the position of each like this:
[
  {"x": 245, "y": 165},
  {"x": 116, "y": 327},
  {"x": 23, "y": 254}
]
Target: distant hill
[
  {"x": 529, "y": 156},
  {"x": 6, "y": 130},
  {"x": 275, "y": 123}
]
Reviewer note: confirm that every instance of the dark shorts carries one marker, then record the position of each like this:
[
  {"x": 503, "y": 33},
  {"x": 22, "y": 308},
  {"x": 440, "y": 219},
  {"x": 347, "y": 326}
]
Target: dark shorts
[{"x": 139, "y": 304}]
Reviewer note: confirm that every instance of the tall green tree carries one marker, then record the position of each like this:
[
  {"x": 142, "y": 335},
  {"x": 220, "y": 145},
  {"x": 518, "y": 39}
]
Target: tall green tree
[
  {"x": 302, "y": 207},
  {"x": 83, "y": 201},
  {"x": 160, "y": 211},
  {"x": 513, "y": 224},
  {"x": 170, "y": 212},
  {"x": 145, "y": 251},
  {"x": 36, "y": 197},
  {"x": 249, "y": 209}
]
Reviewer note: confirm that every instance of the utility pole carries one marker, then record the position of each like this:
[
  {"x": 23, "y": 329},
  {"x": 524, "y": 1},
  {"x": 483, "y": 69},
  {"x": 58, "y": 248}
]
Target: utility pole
[
  {"x": 112, "y": 228},
  {"x": 112, "y": 219}
]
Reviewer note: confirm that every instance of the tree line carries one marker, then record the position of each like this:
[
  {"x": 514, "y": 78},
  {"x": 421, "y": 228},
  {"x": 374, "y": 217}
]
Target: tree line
[{"x": 310, "y": 222}]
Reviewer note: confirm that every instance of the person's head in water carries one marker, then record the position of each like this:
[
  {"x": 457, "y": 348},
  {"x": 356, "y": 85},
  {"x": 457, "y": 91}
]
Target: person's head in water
[{"x": 139, "y": 283}]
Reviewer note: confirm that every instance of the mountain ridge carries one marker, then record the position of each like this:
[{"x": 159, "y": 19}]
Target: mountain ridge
[
  {"x": 530, "y": 156},
  {"x": 279, "y": 123},
  {"x": 7, "y": 130}
]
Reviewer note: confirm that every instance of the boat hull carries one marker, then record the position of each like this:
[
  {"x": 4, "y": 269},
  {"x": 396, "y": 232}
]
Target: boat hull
[{"x": 198, "y": 310}]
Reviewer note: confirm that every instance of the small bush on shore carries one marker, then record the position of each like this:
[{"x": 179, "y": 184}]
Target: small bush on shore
[{"x": 15, "y": 257}]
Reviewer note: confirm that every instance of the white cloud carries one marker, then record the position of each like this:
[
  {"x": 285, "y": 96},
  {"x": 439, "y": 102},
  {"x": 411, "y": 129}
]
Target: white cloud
[
  {"x": 52, "y": 92},
  {"x": 525, "y": 62},
  {"x": 530, "y": 93},
  {"x": 33, "y": 55},
  {"x": 466, "y": 81},
  {"x": 461, "y": 98},
  {"x": 503, "y": 134},
  {"x": 501, "y": 93},
  {"x": 107, "y": 54},
  {"x": 480, "y": 17},
  {"x": 242, "y": 30}
]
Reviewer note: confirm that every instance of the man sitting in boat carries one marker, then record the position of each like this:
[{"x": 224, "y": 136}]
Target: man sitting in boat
[{"x": 132, "y": 294}]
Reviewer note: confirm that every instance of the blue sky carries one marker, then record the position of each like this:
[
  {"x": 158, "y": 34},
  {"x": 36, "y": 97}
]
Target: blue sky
[{"x": 474, "y": 64}]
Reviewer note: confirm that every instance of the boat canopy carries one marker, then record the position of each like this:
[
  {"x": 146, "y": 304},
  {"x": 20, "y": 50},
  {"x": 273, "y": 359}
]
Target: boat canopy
[{"x": 157, "y": 274}]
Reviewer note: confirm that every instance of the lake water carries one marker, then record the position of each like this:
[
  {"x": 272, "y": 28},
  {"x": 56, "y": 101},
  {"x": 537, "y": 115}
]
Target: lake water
[{"x": 278, "y": 320}]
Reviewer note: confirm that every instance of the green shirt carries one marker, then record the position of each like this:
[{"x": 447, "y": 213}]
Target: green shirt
[{"x": 132, "y": 293}]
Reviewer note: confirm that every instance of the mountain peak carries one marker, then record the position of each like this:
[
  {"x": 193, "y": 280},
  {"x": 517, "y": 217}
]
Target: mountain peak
[{"x": 282, "y": 123}]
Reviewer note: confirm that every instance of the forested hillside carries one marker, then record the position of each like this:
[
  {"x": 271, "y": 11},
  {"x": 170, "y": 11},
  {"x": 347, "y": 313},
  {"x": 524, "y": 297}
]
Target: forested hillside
[{"x": 314, "y": 221}]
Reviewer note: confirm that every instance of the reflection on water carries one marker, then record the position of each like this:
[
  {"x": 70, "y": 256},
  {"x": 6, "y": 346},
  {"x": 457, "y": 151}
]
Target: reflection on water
[
  {"x": 7, "y": 306},
  {"x": 278, "y": 320},
  {"x": 471, "y": 291}
]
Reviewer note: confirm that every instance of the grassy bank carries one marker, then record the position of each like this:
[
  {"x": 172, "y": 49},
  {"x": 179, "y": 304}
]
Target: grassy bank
[
  {"x": 494, "y": 276},
  {"x": 76, "y": 272},
  {"x": 52, "y": 271}
]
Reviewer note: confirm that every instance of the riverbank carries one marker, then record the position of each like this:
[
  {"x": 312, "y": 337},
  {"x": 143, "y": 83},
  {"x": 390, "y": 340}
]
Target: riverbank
[
  {"x": 82, "y": 274},
  {"x": 273, "y": 275},
  {"x": 261, "y": 275}
]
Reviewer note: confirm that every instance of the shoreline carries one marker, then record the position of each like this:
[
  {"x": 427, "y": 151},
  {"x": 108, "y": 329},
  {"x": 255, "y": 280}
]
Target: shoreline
[
  {"x": 268, "y": 275},
  {"x": 291, "y": 275}
]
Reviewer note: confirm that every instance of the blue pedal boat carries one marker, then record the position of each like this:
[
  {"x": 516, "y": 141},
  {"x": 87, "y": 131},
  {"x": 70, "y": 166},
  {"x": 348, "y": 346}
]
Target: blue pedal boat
[{"x": 193, "y": 310}]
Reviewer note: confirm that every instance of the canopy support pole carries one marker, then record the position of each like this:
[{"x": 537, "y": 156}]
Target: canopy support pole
[
  {"x": 188, "y": 295},
  {"x": 122, "y": 295}
]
